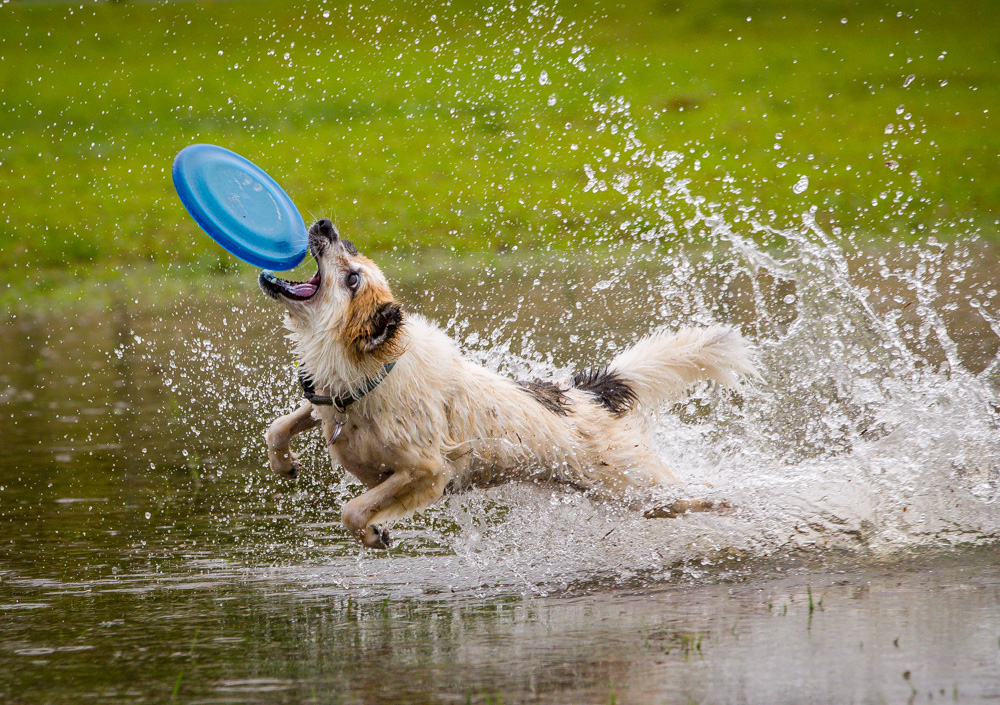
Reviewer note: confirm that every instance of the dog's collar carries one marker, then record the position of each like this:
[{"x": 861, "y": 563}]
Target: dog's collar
[{"x": 341, "y": 401}]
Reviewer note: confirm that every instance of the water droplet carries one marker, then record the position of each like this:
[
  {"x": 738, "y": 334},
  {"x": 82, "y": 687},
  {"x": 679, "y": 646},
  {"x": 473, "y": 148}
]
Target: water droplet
[
  {"x": 801, "y": 185},
  {"x": 909, "y": 80},
  {"x": 889, "y": 129},
  {"x": 543, "y": 79},
  {"x": 148, "y": 515}
]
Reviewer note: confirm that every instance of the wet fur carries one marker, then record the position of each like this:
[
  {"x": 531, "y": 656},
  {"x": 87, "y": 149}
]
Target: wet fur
[{"x": 440, "y": 421}]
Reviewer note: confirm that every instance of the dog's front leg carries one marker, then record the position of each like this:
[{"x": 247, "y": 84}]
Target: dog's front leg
[
  {"x": 398, "y": 496},
  {"x": 283, "y": 461}
]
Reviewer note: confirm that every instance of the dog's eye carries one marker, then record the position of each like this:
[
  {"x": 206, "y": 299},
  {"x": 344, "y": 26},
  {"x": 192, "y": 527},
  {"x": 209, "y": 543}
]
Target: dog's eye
[{"x": 353, "y": 280}]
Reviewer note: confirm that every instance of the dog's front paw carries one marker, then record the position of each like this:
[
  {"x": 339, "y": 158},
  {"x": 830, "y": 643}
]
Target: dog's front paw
[
  {"x": 285, "y": 465},
  {"x": 374, "y": 536}
]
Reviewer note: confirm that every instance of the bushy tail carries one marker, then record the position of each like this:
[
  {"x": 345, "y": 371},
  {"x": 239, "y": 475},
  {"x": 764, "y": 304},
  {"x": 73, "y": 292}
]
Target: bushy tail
[{"x": 662, "y": 366}]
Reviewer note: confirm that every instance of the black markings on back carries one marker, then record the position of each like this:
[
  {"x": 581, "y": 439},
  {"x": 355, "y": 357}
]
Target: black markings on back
[
  {"x": 609, "y": 389},
  {"x": 548, "y": 395}
]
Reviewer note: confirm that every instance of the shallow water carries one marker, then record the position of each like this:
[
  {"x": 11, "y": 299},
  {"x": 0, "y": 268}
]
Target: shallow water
[{"x": 149, "y": 556}]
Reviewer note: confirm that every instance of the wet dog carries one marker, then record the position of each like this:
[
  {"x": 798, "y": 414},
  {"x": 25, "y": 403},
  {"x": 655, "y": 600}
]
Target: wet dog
[{"x": 407, "y": 415}]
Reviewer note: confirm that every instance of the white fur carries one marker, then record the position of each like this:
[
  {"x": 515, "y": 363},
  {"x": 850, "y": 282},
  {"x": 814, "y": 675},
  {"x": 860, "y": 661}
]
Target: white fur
[{"x": 662, "y": 366}]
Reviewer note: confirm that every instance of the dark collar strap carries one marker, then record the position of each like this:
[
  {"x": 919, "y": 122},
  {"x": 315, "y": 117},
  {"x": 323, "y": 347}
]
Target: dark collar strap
[{"x": 341, "y": 402}]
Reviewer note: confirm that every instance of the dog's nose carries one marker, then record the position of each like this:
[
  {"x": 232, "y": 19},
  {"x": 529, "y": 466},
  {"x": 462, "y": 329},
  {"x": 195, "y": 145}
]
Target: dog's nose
[{"x": 324, "y": 228}]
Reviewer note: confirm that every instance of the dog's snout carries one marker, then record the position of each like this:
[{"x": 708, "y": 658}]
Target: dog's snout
[{"x": 324, "y": 229}]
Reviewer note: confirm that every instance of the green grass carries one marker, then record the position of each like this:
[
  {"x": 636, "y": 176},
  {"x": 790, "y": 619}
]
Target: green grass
[{"x": 408, "y": 126}]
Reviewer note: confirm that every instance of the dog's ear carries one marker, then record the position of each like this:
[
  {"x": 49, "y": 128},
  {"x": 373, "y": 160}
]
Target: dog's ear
[
  {"x": 373, "y": 324},
  {"x": 383, "y": 328}
]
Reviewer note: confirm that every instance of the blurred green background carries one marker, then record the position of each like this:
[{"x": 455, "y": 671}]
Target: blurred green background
[{"x": 472, "y": 126}]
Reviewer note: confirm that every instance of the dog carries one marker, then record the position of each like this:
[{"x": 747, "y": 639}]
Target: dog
[{"x": 405, "y": 413}]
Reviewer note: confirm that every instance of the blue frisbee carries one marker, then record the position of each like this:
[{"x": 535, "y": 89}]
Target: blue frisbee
[{"x": 240, "y": 207}]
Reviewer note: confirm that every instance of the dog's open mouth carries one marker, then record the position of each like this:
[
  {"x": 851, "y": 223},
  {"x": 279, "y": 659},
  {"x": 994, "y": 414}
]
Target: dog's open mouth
[{"x": 297, "y": 291}]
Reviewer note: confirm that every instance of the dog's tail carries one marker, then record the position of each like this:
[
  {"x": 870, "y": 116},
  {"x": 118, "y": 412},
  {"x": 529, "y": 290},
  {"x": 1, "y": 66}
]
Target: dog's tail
[{"x": 662, "y": 366}]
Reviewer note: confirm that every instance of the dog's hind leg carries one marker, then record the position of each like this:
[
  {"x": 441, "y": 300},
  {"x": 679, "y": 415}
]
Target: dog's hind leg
[
  {"x": 660, "y": 471},
  {"x": 283, "y": 461},
  {"x": 398, "y": 496},
  {"x": 660, "y": 507},
  {"x": 677, "y": 507}
]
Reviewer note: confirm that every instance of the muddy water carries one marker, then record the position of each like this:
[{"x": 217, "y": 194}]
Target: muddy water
[{"x": 147, "y": 556}]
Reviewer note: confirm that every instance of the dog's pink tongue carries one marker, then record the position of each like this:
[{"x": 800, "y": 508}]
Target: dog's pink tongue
[{"x": 303, "y": 289}]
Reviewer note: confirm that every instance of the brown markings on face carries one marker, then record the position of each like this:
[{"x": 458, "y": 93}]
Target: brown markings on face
[{"x": 371, "y": 329}]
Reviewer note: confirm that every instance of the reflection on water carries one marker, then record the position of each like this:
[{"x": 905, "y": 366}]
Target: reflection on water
[
  {"x": 148, "y": 555},
  {"x": 234, "y": 636}
]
